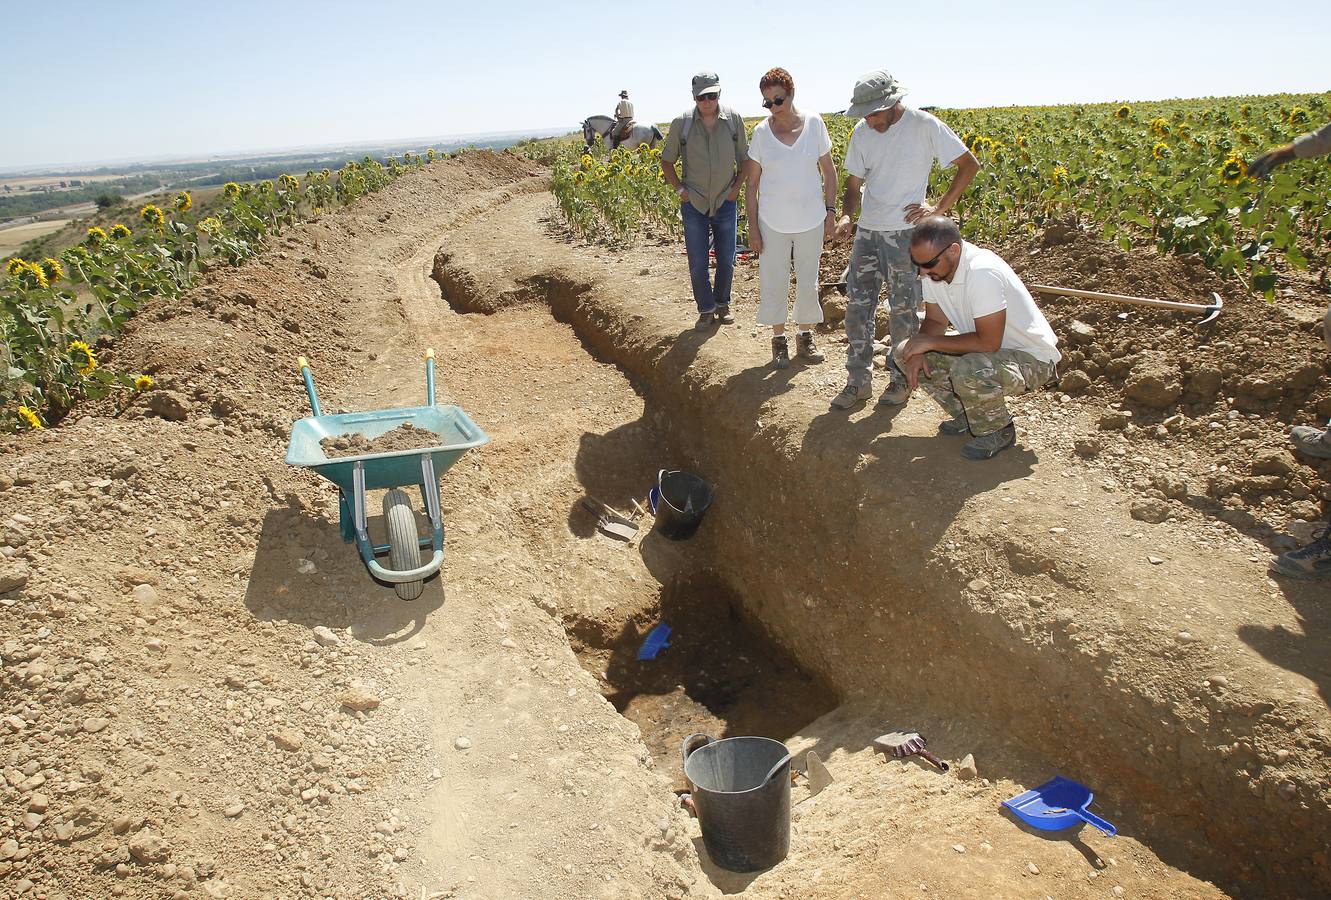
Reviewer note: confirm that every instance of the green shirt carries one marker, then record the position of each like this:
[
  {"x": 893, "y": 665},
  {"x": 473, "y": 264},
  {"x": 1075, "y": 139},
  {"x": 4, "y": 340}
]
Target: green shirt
[{"x": 712, "y": 157}]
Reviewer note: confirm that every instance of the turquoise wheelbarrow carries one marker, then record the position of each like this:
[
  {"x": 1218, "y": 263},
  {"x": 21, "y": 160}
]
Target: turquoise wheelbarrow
[{"x": 355, "y": 476}]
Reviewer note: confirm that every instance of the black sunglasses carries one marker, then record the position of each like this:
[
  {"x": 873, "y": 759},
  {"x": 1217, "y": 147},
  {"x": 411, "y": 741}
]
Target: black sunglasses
[
  {"x": 775, "y": 101},
  {"x": 933, "y": 262},
  {"x": 713, "y": 96}
]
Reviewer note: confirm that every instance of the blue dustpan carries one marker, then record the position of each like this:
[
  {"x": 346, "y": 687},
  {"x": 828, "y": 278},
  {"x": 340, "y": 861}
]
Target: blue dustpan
[
  {"x": 657, "y": 640},
  {"x": 1057, "y": 804}
]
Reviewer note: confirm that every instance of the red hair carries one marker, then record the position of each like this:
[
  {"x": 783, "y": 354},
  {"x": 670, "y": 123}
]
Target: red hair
[{"x": 777, "y": 77}]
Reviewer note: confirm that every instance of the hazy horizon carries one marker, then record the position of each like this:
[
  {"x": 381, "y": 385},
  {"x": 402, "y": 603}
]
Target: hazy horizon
[{"x": 153, "y": 80}]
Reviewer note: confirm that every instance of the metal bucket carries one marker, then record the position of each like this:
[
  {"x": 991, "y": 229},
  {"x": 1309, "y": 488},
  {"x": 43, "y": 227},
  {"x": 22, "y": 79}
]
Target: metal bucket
[
  {"x": 741, "y": 791},
  {"x": 679, "y": 501}
]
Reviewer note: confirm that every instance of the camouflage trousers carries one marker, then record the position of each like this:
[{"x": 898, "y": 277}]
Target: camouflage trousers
[
  {"x": 971, "y": 387},
  {"x": 874, "y": 257}
]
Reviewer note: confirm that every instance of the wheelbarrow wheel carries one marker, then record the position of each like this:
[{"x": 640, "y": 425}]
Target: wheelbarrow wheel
[{"x": 404, "y": 548}]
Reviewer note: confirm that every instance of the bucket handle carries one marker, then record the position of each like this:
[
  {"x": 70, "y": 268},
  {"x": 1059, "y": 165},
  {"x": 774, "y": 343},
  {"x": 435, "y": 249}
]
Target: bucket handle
[
  {"x": 780, "y": 764},
  {"x": 691, "y": 743}
]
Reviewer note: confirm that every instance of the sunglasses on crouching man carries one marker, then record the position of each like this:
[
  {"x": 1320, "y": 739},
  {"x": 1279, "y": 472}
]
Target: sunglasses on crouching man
[
  {"x": 923, "y": 266},
  {"x": 775, "y": 101}
]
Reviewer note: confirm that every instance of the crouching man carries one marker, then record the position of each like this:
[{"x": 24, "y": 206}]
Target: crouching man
[{"x": 1003, "y": 346}]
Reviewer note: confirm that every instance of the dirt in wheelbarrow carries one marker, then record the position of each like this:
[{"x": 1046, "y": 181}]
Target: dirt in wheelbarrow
[{"x": 404, "y": 437}]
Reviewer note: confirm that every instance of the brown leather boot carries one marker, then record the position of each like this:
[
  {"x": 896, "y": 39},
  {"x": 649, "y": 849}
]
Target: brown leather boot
[
  {"x": 805, "y": 348},
  {"x": 780, "y": 353}
]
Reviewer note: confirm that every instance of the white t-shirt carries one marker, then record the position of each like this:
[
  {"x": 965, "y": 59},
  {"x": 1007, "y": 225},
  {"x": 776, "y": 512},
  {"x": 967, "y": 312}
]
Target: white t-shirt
[
  {"x": 983, "y": 284},
  {"x": 895, "y": 165},
  {"x": 790, "y": 192}
]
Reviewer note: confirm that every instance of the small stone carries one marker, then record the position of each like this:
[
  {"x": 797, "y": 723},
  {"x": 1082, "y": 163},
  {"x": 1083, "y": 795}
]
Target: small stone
[
  {"x": 1185, "y": 637},
  {"x": 462, "y": 743},
  {"x": 1032, "y": 868},
  {"x": 1271, "y": 462},
  {"x": 170, "y": 405},
  {"x": 508, "y": 644},
  {"x": 1150, "y": 510},
  {"x": 1118, "y": 890},
  {"x": 960, "y": 848},
  {"x": 38, "y": 803},
  {"x": 1075, "y": 382},
  {"x": 1282, "y": 756},
  {"x": 326, "y": 636},
  {"x": 13, "y": 575},
  {"x": 144, "y": 595},
  {"x": 149, "y": 847},
  {"x": 966, "y": 768},
  {"x": 1287, "y": 790},
  {"x": 64, "y": 831},
  {"x": 288, "y": 738},
  {"x": 1080, "y": 333},
  {"x": 1088, "y": 447},
  {"x": 233, "y": 810},
  {"x": 94, "y": 725},
  {"x": 32, "y": 820},
  {"x": 121, "y": 824},
  {"x": 1155, "y": 560},
  {"x": 8, "y": 849},
  {"x": 305, "y": 567},
  {"x": 360, "y": 700},
  {"x": 978, "y": 584},
  {"x": 1219, "y": 681},
  {"x": 400, "y": 854}
]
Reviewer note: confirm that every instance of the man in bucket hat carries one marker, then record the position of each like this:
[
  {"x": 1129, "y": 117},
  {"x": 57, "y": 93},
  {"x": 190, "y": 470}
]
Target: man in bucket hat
[
  {"x": 890, "y": 155},
  {"x": 710, "y": 138}
]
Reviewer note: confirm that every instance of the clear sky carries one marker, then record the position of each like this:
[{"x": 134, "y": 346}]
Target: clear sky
[{"x": 97, "y": 81}]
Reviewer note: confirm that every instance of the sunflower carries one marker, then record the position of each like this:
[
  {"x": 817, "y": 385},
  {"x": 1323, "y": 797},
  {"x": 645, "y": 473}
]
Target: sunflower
[
  {"x": 1245, "y": 138},
  {"x": 31, "y": 418},
  {"x": 76, "y": 254},
  {"x": 586, "y": 162},
  {"x": 120, "y": 232},
  {"x": 211, "y": 225},
  {"x": 1160, "y": 150},
  {"x": 430, "y": 154},
  {"x": 1159, "y": 127},
  {"x": 326, "y": 174},
  {"x": 143, "y": 383},
  {"x": 656, "y": 153},
  {"x": 82, "y": 356},
  {"x": 97, "y": 235},
  {"x": 1233, "y": 171},
  {"x": 1298, "y": 117},
  {"x": 579, "y": 177},
  {"x": 289, "y": 183},
  {"x": 183, "y": 201},
  {"x": 231, "y": 190},
  {"x": 1060, "y": 176},
  {"x": 1123, "y": 112},
  {"x": 15, "y": 265},
  {"x": 152, "y": 215},
  {"x": 52, "y": 269},
  {"x": 31, "y": 276}
]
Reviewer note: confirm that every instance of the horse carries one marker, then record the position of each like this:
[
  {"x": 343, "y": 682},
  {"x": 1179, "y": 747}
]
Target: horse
[{"x": 599, "y": 126}]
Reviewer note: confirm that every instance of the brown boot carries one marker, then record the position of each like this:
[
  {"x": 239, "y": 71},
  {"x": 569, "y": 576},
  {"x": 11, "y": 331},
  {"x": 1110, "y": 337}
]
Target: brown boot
[
  {"x": 805, "y": 348},
  {"x": 780, "y": 352}
]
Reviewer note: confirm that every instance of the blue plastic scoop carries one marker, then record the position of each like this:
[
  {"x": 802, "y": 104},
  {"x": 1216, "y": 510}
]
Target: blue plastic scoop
[
  {"x": 1057, "y": 804},
  {"x": 657, "y": 640}
]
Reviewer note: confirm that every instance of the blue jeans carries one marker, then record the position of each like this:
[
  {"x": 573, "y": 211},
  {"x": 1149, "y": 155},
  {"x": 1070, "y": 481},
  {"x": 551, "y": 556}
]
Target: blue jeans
[{"x": 700, "y": 232}]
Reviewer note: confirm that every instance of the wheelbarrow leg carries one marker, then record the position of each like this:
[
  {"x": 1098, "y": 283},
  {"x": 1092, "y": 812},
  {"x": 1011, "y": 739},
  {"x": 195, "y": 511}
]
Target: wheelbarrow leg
[
  {"x": 345, "y": 519},
  {"x": 430, "y": 494}
]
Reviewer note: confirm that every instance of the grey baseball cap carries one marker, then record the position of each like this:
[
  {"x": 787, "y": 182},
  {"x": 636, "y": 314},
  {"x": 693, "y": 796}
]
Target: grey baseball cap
[
  {"x": 873, "y": 92},
  {"x": 706, "y": 83}
]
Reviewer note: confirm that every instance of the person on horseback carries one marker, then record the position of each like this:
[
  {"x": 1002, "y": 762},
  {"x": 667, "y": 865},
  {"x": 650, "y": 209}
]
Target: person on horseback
[{"x": 623, "y": 120}]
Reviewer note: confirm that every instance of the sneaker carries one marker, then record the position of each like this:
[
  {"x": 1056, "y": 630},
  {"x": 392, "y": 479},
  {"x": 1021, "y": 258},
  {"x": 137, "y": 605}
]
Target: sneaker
[
  {"x": 723, "y": 314},
  {"x": 852, "y": 394},
  {"x": 805, "y": 348},
  {"x": 955, "y": 426},
  {"x": 1312, "y": 561},
  {"x": 990, "y": 445},
  {"x": 1311, "y": 441},
  {"x": 897, "y": 393},
  {"x": 704, "y": 322},
  {"x": 780, "y": 353}
]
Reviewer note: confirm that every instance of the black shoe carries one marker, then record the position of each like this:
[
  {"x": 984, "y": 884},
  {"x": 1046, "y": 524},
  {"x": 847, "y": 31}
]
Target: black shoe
[
  {"x": 723, "y": 314},
  {"x": 704, "y": 322},
  {"x": 1312, "y": 561},
  {"x": 990, "y": 445},
  {"x": 955, "y": 426}
]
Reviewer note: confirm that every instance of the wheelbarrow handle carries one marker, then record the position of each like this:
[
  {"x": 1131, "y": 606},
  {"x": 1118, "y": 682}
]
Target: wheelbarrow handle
[
  {"x": 304, "y": 366},
  {"x": 393, "y": 576},
  {"x": 429, "y": 376}
]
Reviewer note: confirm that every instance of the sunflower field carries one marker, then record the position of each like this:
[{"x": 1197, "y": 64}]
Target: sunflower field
[
  {"x": 1172, "y": 175},
  {"x": 56, "y": 314}
]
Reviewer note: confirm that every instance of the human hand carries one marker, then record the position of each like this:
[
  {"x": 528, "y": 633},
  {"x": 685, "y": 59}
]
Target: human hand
[
  {"x": 829, "y": 227},
  {"x": 683, "y": 194},
  {"x": 734, "y": 192},
  {"x": 917, "y": 211},
  {"x": 911, "y": 367},
  {"x": 844, "y": 230},
  {"x": 1262, "y": 165},
  {"x": 756, "y": 243}
]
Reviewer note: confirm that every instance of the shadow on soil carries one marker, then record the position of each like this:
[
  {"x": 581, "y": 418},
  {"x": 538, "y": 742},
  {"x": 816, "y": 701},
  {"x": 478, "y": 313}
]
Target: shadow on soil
[
  {"x": 1307, "y": 654},
  {"x": 339, "y": 593}
]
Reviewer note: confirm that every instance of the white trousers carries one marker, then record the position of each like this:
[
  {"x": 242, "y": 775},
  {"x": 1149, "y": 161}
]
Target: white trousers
[{"x": 774, "y": 275}]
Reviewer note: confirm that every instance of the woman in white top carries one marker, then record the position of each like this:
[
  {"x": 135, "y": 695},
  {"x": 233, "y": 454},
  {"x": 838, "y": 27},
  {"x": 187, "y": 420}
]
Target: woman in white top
[{"x": 791, "y": 184}]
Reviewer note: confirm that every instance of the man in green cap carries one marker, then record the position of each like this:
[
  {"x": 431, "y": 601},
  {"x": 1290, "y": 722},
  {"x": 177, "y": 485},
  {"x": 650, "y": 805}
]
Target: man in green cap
[
  {"x": 890, "y": 155},
  {"x": 710, "y": 139}
]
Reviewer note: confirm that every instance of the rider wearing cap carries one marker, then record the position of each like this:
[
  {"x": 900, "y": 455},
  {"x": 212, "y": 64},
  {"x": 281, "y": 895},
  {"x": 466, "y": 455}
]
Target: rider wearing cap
[{"x": 623, "y": 119}]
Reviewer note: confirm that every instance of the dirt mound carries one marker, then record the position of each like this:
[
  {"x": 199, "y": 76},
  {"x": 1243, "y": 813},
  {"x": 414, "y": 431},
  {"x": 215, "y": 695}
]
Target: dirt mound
[{"x": 404, "y": 437}]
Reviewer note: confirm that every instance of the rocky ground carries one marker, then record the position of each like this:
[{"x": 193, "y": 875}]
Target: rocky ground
[{"x": 205, "y": 695}]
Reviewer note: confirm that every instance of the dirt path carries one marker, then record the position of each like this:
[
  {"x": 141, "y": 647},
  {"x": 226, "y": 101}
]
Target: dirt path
[{"x": 205, "y": 695}]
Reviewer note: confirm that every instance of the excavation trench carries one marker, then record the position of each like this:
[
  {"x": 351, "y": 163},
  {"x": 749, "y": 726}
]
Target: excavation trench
[{"x": 835, "y": 582}]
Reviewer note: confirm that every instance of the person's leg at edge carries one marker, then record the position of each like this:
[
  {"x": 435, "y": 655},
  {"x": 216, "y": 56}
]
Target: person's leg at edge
[
  {"x": 864, "y": 281},
  {"x": 903, "y": 300},
  {"x": 724, "y": 227},
  {"x": 938, "y": 382},
  {"x": 774, "y": 289},
  {"x": 982, "y": 381},
  {"x": 697, "y": 237},
  {"x": 808, "y": 251}
]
